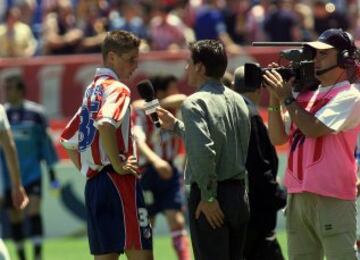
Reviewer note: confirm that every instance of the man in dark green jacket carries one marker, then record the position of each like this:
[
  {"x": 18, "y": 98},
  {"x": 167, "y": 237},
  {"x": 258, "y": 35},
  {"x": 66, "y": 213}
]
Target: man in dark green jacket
[{"x": 266, "y": 196}]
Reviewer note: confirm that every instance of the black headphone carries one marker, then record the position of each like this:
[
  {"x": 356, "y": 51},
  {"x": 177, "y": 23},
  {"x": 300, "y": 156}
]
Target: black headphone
[{"x": 347, "y": 58}]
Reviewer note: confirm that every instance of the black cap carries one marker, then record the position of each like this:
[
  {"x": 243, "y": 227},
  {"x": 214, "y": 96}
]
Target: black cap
[{"x": 334, "y": 38}]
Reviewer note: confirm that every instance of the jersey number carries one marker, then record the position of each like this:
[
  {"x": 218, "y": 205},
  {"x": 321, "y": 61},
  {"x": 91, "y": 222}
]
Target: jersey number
[
  {"x": 87, "y": 129},
  {"x": 143, "y": 217}
]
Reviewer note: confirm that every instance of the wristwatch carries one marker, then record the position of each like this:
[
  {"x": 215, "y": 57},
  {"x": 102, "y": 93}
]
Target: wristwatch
[
  {"x": 211, "y": 199},
  {"x": 289, "y": 100}
]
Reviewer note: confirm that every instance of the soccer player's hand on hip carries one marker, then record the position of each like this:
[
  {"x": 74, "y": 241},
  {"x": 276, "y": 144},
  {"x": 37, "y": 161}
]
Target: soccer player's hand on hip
[
  {"x": 19, "y": 197},
  {"x": 163, "y": 168},
  {"x": 129, "y": 166},
  {"x": 166, "y": 118},
  {"x": 212, "y": 212}
]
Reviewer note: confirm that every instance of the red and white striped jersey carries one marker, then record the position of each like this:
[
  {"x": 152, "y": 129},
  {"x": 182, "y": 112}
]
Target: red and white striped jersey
[
  {"x": 105, "y": 100},
  {"x": 165, "y": 144}
]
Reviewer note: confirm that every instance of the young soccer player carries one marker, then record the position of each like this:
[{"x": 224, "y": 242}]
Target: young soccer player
[
  {"x": 18, "y": 194},
  {"x": 160, "y": 178},
  {"x": 98, "y": 140},
  {"x": 33, "y": 144}
]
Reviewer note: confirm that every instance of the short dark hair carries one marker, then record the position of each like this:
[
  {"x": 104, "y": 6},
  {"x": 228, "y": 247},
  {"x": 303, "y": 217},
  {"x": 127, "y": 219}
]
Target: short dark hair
[
  {"x": 120, "y": 42},
  {"x": 212, "y": 55},
  {"x": 162, "y": 82},
  {"x": 17, "y": 81}
]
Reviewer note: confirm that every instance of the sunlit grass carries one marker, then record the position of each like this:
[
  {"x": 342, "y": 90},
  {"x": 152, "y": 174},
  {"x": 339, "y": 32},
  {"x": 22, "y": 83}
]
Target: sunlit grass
[{"x": 77, "y": 248}]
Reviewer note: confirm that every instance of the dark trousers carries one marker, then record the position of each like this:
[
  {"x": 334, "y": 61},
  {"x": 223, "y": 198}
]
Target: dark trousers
[
  {"x": 257, "y": 247},
  {"x": 226, "y": 242}
]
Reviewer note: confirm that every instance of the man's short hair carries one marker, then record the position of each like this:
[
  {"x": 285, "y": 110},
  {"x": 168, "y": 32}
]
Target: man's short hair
[
  {"x": 119, "y": 42},
  {"x": 16, "y": 81},
  {"x": 212, "y": 55}
]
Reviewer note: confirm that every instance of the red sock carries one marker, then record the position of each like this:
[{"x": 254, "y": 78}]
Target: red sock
[{"x": 181, "y": 244}]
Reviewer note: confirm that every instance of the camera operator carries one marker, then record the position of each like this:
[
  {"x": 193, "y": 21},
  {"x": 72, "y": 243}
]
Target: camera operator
[
  {"x": 321, "y": 129},
  {"x": 266, "y": 196}
]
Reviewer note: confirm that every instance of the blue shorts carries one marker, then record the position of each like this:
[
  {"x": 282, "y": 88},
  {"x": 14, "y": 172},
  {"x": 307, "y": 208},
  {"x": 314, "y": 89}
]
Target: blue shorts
[
  {"x": 116, "y": 215},
  {"x": 160, "y": 194}
]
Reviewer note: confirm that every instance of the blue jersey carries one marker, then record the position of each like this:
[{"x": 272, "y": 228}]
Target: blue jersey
[{"x": 28, "y": 125}]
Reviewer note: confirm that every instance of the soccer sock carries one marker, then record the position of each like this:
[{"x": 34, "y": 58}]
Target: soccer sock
[
  {"x": 18, "y": 236},
  {"x": 37, "y": 241},
  {"x": 180, "y": 242},
  {"x": 36, "y": 233}
]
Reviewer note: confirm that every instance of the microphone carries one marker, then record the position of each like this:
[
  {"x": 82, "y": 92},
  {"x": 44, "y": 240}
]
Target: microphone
[
  {"x": 146, "y": 92},
  {"x": 320, "y": 72}
]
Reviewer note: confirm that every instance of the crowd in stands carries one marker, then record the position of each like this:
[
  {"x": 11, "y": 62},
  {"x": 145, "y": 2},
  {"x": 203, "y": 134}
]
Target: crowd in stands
[{"x": 57, "y": 27}]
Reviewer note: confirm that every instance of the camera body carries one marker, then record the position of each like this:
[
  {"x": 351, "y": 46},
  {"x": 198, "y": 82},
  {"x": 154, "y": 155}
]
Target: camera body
[{"x": 301, "y": 67}]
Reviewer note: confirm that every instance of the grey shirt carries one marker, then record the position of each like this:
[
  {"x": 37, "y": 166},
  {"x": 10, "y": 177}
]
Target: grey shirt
[{"x": 216, "y": 131}]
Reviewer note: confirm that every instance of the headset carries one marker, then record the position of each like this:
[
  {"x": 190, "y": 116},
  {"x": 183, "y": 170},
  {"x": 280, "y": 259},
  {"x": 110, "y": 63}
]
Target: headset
[{"x": 347, "y": 57}]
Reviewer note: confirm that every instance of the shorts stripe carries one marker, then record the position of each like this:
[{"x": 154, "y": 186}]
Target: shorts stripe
[
  {"x": 125, "y": 186},
  {"x": 122, "y": 205},
  {"x": 137, "y": 216}
]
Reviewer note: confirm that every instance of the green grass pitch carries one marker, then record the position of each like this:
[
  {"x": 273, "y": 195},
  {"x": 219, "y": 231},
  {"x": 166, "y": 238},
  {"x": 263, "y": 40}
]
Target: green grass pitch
[{"x": 77, "y": 248}]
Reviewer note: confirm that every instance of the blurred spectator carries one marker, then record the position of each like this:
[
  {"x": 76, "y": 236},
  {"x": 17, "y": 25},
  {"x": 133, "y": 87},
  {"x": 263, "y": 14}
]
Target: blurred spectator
[
  {"x": 16, "y": 37},
  {"x": 235, "y": 13},
  {"x": 60, "y": 25},
  {"x": 186, "y": 11},
  {"x": 209, "y": 21},
  {"x": 354, "y": 19},
  {"x": 255, "y": 21},
  {"x": 94, "y": 28},
  {"x": 24, "y": 5},
  {"x": 130, "y": 19},
  {"x": 326, "y": 16},
  {"x": 306, "y": 21},
  {"x": 27, "y": 8},
  {"x": 167, "y": 31},
  {"x": 61, "y": 35},
  {"x": 103, "y": 8},
  {"x": 341, "y": 5},
  {"x": 3, "y": 8},
  {"x": 210, "y": 24},
  {"x": 281, "y": 24}
]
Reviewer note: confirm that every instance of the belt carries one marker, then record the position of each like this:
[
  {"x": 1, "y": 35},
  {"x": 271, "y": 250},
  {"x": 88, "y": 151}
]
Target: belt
[
  {"x": 234, "y": 181},
  {"x": 228, "y": 181}
]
